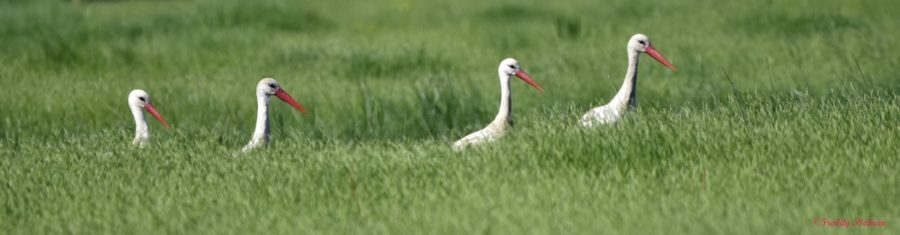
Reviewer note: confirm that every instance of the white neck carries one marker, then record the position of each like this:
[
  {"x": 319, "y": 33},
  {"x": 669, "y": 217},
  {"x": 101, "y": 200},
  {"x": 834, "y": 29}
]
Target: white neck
[
  {"x": 261, "y": 133},
  {"x": 627, "y": 97},
  {"x": 141, "y": 132},
  {"x": 505, "y": 100}
]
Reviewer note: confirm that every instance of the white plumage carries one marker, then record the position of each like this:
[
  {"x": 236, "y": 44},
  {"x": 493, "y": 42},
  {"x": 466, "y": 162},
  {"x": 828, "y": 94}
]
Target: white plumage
[
  {"x": 265, "y": 89},
  {"x": 138, "y": 101},
  {"x": 626, "y": 98},
  {"x": 496, "y": 129}
]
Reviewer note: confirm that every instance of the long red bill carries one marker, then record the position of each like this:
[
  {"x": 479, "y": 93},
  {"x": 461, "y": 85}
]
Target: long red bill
[
  {"x": 288, "y": 99},
  {"x": 653, "y": 53},
  {"x": 527, "y": 78},
  {"x": 152, "y": 111}
]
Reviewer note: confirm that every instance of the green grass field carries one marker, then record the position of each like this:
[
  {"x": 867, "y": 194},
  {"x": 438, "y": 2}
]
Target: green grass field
[{"x": 781, "y": 113}]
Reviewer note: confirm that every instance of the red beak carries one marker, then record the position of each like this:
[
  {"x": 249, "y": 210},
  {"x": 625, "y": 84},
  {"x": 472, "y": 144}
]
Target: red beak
[
  {"x": 152, "y": 111},
  {"x": 283, "y": 95},
  {"x": 527, "y": 78},
  {"x": 653, "y": 53}
]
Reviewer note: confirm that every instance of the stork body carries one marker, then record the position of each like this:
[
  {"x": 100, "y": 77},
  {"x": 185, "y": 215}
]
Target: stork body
[
  {"x": 265, "y": 89},
  {"x": 497, "y": 128},
  {"x": 138, "y": 101},
  {"x": 626, "y": 98}
]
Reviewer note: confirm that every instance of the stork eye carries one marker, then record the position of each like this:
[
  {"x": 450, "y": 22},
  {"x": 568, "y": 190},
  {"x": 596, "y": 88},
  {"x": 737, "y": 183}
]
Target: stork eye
[
  {"x": 142, "y": 99},
  {"x": 512, "y": 66},
  {"x": 272, "y": 85},
  {"x": 641, "y": 42}
]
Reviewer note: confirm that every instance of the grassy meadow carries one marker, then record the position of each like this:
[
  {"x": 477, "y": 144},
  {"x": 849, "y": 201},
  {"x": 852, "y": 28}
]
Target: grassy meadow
[{"x": 781, "y": 113}]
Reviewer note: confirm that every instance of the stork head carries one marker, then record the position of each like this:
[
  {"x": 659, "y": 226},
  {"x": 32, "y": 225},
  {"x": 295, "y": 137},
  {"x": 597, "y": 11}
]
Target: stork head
[
  {"x": 270, "y": 87},
  {"x": 267, "y": 86},
  {"x": 140, "y": 99},
  {"x": 641, "y": 43},
  {"x": 510, "y": 67}
]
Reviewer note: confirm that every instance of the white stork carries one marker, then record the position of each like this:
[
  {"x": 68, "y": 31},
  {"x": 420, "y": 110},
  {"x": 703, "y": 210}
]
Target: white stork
[
  {"x": 508, "y": 67},
  {"x": 626, "y": 98}
]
